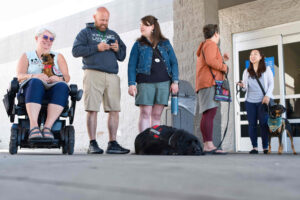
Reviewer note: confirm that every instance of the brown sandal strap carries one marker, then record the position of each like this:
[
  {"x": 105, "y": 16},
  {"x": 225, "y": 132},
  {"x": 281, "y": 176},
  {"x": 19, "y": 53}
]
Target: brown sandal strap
[
  {"x": 48, "y": 133},
  {"x": 47, "y": 129},
  {"x": 36, "y": 127},
  {"x": 35, "y": 134}
]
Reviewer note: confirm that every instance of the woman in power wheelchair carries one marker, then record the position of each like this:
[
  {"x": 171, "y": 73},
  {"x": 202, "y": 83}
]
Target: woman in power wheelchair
[{"x": 42, "y": 98}]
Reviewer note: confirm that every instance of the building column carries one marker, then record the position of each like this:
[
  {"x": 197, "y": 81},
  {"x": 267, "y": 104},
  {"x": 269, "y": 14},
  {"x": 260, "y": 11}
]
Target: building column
[{"x": 189, "y": 17}]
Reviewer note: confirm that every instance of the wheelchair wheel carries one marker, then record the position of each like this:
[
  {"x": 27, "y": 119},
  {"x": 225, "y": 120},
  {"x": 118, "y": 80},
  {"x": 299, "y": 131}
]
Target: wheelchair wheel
[
  {"x": 64, "y": 149},
  {"x": 13, "y": 144},
  {"x": 65, "y": 140},
  {"x": 71, "y": 138}
]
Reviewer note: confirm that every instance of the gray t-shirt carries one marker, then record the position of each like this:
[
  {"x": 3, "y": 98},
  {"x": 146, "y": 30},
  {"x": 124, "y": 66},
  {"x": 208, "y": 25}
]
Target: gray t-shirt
[{"x": 255, "y": 94}]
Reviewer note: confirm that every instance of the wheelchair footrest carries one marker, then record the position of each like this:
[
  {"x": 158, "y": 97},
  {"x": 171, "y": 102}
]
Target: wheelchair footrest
[{"x": 44, "y": 143}]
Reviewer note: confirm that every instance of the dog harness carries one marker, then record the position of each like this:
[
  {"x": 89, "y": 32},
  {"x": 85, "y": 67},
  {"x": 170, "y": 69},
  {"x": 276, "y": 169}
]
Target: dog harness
[
  {"x": 155, "y": 131},
  {"x": 274, "y": 123}
]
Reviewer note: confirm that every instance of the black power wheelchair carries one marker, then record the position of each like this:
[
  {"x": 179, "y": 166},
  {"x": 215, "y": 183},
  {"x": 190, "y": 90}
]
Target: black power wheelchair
[{"x": 64, "y": 135}]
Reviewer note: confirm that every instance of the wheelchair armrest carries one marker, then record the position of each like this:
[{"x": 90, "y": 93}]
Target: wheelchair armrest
[
  {"x": 75, "y": 93},
  {"x": 79, "y": 95},
  {"x": 14, "y": 85},
  {"x": 73, "y": 90},
  {"x": 75, "y": 96}
]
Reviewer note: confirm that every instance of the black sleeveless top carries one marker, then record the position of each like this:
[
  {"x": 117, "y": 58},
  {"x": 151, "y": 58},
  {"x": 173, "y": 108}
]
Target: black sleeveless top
[{"x": 158, "y": 72}]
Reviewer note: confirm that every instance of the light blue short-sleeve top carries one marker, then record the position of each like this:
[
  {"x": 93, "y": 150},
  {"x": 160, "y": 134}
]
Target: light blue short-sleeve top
[{"x": 36, "y": 65}]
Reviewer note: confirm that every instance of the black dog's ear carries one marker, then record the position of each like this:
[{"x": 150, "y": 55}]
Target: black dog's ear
[
  {"x": 52, "y": 55},
  {"x": 283, "y": 108},
  {"x": 173, "y": 140}
]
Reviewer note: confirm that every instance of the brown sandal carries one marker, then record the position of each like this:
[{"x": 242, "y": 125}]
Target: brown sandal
[{"x": 48, "y": 134}]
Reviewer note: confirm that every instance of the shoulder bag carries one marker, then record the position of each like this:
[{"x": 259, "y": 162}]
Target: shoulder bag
[{"x": 222, "y": 89}]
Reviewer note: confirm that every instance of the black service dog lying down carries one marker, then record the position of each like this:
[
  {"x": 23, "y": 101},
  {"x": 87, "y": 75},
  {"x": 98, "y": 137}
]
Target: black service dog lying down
[{"x": 165, "y": 140}]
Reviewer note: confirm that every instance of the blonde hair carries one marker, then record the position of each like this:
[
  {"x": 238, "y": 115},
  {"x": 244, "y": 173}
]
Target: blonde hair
[{"x": 41, "y": 30}]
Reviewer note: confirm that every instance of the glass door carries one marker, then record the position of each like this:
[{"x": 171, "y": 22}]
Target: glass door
[{"x": 291, "y": 55}]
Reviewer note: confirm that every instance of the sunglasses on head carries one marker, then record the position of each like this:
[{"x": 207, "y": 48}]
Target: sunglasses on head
[{"x": 45, "y": 37}]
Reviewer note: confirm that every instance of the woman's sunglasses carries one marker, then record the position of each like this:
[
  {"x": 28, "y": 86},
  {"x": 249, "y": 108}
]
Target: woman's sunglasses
[{"x": 46, "y": 37}]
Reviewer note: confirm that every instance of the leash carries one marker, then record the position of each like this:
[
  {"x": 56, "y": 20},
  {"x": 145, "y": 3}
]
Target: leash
[
  {"x": 225, "y": 131},
  {"x": 228, "y": 115}
]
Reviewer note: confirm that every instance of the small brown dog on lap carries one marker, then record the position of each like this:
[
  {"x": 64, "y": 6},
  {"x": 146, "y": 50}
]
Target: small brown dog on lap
[{"x": 48, "y": 62}]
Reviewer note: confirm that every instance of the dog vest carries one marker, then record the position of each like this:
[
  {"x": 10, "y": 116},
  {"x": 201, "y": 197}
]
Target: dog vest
[
  {"x": 274, "y": 123},
  {"x": 36, "y": 65},
  {"x": 155, "y": 131}
]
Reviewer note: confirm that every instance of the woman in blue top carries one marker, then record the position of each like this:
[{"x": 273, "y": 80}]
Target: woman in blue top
[
  {"x": 36, "y": 86},
  {"x": 153, "y": 67},
  {"x": 256, "y": 100}
]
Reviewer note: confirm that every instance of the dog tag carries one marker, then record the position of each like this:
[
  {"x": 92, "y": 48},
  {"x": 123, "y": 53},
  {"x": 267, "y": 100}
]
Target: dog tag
[{"x": 157, "y": 60}]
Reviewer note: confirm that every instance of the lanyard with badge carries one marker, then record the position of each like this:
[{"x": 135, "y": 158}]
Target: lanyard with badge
[{"x": 158, "y": 56}]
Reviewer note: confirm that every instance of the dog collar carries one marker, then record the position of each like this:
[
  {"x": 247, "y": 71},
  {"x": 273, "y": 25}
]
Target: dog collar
[{"x": 47, "y": 66}]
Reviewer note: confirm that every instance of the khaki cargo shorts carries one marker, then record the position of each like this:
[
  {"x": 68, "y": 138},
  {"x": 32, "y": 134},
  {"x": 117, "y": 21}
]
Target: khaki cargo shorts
[{"x": 101, "y": 87}]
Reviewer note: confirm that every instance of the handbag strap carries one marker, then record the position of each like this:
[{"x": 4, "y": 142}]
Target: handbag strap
[
  {"x": 214, "y": 77},
  {"x": 260, "y": 85},
  {"x": 263, "y": 91}
]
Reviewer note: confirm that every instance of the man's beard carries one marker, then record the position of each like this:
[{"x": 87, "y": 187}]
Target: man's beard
[{"x": 101, "y": 27}]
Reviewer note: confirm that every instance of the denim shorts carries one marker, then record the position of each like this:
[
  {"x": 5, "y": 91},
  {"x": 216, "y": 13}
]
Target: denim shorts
[{"x": 149, "y": 94}]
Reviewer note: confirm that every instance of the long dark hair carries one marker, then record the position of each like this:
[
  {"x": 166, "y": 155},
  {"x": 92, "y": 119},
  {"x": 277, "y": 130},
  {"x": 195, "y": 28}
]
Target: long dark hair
[
  {"x": 261, "y": 66},
  {"x": 156, "y": 35}
]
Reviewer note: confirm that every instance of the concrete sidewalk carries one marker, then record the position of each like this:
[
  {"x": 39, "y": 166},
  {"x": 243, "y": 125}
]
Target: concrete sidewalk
[{"x": 50, "y": 175}]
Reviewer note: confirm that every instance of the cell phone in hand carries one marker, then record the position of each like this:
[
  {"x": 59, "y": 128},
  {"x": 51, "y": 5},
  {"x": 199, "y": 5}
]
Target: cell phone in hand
[{"x": 110, "y": 41}]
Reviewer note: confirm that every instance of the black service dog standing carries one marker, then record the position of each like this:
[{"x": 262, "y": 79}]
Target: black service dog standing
[
  {"x": 277, "y": 125},
  {"x": 165, "y": 140}
]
